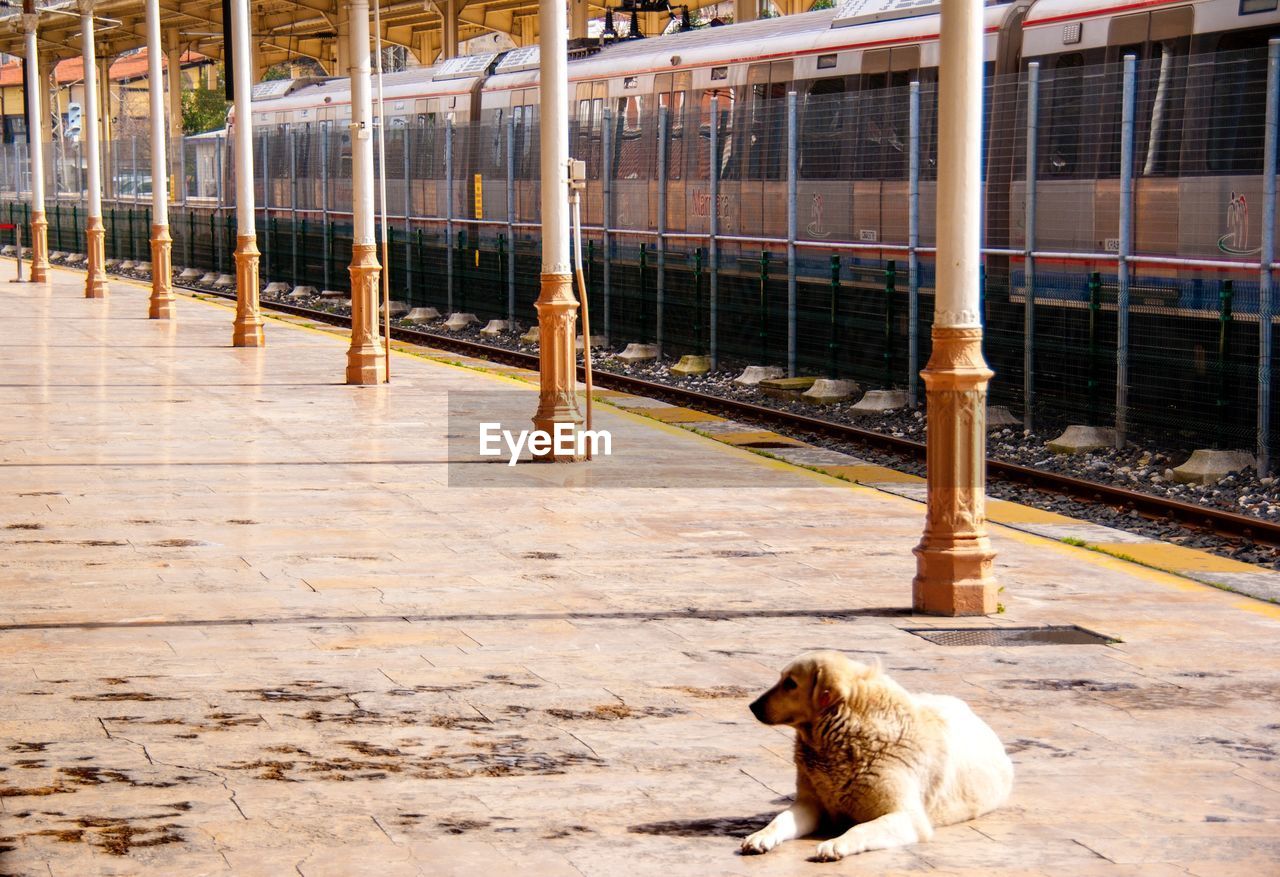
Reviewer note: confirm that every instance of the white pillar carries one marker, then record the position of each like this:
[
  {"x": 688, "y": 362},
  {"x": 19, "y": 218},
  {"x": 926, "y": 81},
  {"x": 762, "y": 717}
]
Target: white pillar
[
  {"x": 578, "y": 14},
  {"x": 248, "y": 323},
  {"x": 35, "y": 132},
  {"x": 95, "y": 282},
  {"x": 954, "y": 559},
  {"x": 173, "y": 60},
  {"x": 959, "y": 165},
  {"x": 557, "y": 305},
  {"x": 161, "y": 306},
  {"x": 449, "y": 32},
  {"x": 365, "y": 355}
]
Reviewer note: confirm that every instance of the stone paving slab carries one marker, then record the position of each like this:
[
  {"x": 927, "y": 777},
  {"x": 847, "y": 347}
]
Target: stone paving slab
[{"x": 249, "y": 629}]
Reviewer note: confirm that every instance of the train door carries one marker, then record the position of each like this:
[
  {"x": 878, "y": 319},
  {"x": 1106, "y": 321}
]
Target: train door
[
  {"x": 698, "y": 189},
  {"x": 672, "y": 91},
  {"x": 524, "y": 111},
  {"x": 883, "y": 126},
  {"x": 634, "y": 135},
  {"x": 1160, "y": 41},
  {"x": 1221, "y": 161},
  {"x": 764, "y": 174},
  {"x": 825, "y": 205},
  {"x": 587, "y": 144}
]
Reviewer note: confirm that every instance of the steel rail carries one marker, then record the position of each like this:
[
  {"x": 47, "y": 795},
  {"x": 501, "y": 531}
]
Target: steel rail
[{"x": 1225, "y": 524}]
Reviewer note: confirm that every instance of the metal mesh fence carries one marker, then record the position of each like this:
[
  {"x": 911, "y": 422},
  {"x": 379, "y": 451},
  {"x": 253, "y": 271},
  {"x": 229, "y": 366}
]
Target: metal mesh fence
[{"x": 793, "y": 223}]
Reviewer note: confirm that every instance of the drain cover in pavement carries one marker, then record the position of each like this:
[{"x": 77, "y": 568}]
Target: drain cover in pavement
[{"x": 1064, "y": 635}]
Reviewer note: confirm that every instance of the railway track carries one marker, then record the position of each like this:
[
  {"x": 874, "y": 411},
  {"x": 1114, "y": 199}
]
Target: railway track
[{"x": 1221, "y": 523}]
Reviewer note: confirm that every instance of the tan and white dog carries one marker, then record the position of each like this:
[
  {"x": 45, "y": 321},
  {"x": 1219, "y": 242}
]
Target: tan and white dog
[{"x": 895, "y": 764}]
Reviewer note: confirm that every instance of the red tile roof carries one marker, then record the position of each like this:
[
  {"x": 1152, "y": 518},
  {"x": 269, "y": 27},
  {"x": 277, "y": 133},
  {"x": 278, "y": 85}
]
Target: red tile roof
[{"x": 72, "y": 69}]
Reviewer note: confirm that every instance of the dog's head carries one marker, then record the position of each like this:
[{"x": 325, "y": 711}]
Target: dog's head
[{"x": 810, "y": 685}]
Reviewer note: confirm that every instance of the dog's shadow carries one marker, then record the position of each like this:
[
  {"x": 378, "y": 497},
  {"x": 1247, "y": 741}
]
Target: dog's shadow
[
  {"x": 716, "y": 826},
  {"x": 736, "y": 827}
]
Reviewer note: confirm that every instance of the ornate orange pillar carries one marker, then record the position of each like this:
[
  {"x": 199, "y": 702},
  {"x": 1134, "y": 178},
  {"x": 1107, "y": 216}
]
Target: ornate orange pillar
[
  {"x": 39, "y": 247},
  {"x": 161, "y": 307},
  {"x": 557, "y": 306},
  {"x": 161, "y": 304},
  {"x": 364, "y": 356},
  {"x": 954, "y": 558},
  {"x": 36, "y": 88},
  {"x": 247, "y": 331},
  {"x": 95, "y": 281}
]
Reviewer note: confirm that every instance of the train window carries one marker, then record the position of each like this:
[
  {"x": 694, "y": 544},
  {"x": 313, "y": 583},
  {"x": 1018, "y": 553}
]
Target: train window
[
  {"x": 1065, "y": 106},
  {"x": 724, "y": 134},
  {"x": 883, "y": 120},
  {"x": 674, "y": 103},
  {"x": 719, "y": 73},
  {"x": 822, "y": 130},
  {"x": 1238, "y": 105},
  {"x": 1248, "y": 7},
  {"x": 526, "y": 136},
  {"x": 1163, "y": 98},
  {"x": 630, "y": 148},
  {"x": 766, "y": 135},
  {"x": 827, "y": 62}
]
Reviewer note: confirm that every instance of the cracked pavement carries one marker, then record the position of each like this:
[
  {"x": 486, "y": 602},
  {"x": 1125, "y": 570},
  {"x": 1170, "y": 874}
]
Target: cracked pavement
[{"x": 248, "y": 629}]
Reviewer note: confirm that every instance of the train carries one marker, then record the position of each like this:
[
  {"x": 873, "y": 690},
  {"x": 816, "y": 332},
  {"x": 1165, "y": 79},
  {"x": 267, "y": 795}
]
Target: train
[{"x": 1200, "y": 105}]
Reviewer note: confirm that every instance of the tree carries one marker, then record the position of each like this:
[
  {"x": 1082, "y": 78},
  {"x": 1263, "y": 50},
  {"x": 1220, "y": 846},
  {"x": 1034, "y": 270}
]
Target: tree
[{"x": 203, "y": 108}]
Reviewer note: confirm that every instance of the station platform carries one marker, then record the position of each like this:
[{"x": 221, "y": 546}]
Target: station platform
[{"x": 254, "y": 621}]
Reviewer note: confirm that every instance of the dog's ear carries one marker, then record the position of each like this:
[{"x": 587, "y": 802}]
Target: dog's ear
[{"x": 829, "y": 687}]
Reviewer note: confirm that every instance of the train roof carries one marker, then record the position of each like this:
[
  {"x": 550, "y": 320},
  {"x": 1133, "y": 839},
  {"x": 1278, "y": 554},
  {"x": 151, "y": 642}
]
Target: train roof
[
  {"x": 825, "y": 30},
  {"x": 855, "y": 24},
  {"x": 1052, "y": 11}
]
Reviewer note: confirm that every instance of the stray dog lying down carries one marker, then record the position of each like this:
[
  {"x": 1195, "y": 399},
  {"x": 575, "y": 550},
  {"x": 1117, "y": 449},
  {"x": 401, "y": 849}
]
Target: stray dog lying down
[{"x": 895, "y": 764}]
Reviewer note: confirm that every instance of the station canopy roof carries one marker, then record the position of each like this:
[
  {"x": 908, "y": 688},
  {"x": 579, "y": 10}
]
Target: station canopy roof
[{"x": 283, "y": 30}]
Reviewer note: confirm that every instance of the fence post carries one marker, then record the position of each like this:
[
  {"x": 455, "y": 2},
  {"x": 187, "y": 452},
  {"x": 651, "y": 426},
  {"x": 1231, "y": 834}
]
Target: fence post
[
  {"x": 1267, "y": 257},
  {"x": 292, "y": 146},
  {"x": 913, "y": 258},
  {"x": 764, "y": 306},
  {"x": 1122, "y": 263},
  {"x": 664, "y": 126},
  {"x": 589, "y": 275},
  {"x": 328, "y": 250},
  {"x": 448, "y": 213},
  {"x": 324, "y": 207},
  {"x": 713, "y": 231},
  {"x": 417, "y": 243},
  {"x": 1225, "y": 295},
  {"x": 407, "y": 144},
  {"x": 644, "y": 312},
  {"x": 697, "y": 301},
  {"x": 191, "y": 237},
  {"x": 890, "y": 290},
  {"x": 833, "y": 340},
  {"x": 792, "y": 177},
  {"x": 606, "y": 197},
  {"x": 511, "y": 227},
  {"x": 502, "y": 264},
  {"x": 1095, "y": 307},
  {"x": 1028, "y": 248}
]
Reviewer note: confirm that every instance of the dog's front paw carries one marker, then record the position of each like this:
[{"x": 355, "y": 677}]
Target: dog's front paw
[
  {"x": 760, "y": 842},
  {"x": 831, "y": 851}
]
